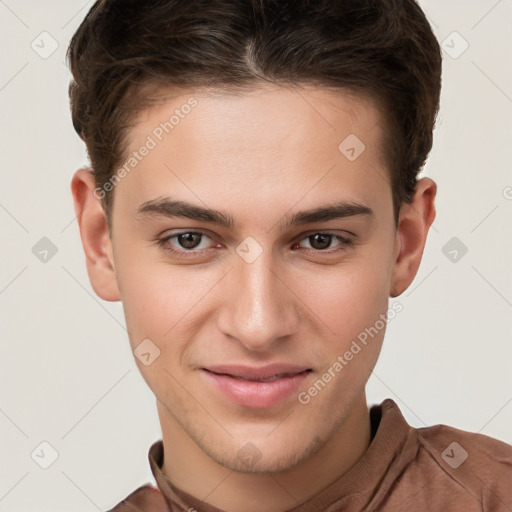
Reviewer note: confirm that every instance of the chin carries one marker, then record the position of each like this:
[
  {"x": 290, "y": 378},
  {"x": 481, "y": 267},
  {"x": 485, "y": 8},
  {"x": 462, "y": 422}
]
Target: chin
[{"x": 259, "y": 456}]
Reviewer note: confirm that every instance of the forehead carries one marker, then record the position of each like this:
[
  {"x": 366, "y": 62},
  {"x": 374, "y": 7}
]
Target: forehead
[
  {"x": 266, "y": 143},
  {"x": 266, "y": 106}
]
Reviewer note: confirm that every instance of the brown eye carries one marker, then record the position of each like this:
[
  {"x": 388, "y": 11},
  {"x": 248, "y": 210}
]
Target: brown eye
[
  {"x": 189, "y": 240},
  {"x": 186, "y": 243},
  {"x": 322, "y": 241}
]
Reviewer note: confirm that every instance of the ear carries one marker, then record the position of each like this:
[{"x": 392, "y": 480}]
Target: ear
[
  {"x": 414, "y": 222},
  {"x": 95, "y": 236}
]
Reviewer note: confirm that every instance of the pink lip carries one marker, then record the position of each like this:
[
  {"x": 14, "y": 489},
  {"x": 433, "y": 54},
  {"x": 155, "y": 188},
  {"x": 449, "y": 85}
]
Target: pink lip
[{"x": 253, "y": 393}]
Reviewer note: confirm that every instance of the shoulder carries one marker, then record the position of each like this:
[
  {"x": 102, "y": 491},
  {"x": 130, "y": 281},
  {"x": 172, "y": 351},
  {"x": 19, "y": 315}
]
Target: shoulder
[
  {"x": 476, "y": 463},
  {"x": 452, "y": 443},
  {"x": 145, "y": 498}
]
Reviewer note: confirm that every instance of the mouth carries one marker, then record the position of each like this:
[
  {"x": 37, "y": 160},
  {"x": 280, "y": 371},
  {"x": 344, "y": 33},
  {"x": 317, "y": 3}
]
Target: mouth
[
  {"x": 269, "y": 379},
  {"x": 264, "y": 373},
  {"x": 256, "y": 387}
]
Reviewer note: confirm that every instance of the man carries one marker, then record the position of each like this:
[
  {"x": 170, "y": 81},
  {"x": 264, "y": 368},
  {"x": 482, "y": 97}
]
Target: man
[{"x": 253, "y": 201}]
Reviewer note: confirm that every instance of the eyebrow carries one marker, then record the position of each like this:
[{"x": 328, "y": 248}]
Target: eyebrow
[{"x": 168, "y": 208}]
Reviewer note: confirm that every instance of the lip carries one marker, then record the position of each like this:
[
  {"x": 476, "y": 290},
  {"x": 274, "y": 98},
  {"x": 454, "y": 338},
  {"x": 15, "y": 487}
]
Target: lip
[
  {"x": 254, "y": 372},
  {"x": 229, "y": 380}
]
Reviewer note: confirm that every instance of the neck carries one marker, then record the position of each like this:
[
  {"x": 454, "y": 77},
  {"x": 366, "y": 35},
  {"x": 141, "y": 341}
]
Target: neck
[{"x": 191, "y": 470}]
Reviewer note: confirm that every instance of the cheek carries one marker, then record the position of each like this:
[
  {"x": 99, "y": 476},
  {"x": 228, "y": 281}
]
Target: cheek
[
  {"x": 348, "y": 297},
  {"x": 157, "y": 303},
  {"x": 352, "y": 306},
  {"x": 162, "y": 301},
  {"x": 147, "y": 290}
]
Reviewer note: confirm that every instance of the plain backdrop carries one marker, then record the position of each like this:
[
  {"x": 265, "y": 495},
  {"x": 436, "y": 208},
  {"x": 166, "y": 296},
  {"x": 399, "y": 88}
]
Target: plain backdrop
[{"x": 67, "y": 374}]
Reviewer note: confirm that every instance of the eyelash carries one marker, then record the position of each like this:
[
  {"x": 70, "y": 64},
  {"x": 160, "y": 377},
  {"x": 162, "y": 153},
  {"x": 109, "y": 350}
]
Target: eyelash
[{"x": 164, "y": 243}]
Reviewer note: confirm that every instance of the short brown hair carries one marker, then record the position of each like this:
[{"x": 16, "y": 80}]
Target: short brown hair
[{"x": 382, "y": 49}]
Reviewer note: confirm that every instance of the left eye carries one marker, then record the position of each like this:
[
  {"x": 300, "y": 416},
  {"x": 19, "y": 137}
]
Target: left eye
[{"x": 323, "y": 240}]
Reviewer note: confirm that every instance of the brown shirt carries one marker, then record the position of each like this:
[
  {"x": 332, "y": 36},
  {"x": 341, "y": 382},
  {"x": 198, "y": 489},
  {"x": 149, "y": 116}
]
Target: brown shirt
[{"x": 405, "y": 469}]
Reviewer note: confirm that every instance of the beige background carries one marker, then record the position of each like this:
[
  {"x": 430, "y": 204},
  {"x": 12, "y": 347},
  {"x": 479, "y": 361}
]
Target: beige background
[{"x": 67, "y": 375}]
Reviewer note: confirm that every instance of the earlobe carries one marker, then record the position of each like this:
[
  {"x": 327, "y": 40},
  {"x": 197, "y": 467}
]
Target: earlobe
[
  {"x": 415, "y": 220},
  {"x": 94, "y": 233}
]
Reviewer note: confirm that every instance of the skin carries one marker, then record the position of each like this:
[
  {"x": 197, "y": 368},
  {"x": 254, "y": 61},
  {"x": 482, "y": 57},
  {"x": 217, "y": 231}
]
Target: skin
[{"x": 259, "y": 156}]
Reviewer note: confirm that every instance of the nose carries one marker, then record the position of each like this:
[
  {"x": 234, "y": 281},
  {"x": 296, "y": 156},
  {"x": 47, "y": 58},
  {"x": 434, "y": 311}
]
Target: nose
[{"x": 258, "y": 307}]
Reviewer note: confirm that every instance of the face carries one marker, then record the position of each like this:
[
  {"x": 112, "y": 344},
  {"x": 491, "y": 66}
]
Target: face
[{"x": 271, "y": 283}]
